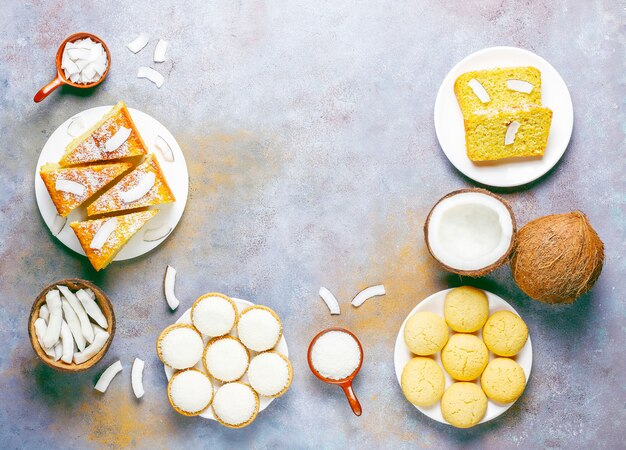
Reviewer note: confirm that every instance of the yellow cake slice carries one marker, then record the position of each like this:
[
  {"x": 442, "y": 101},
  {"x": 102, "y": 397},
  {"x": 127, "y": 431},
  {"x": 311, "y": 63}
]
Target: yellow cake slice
[
  {"x": 508, "y": 133},
  {"x": 71, "y": 186},
  {"x": 498, "y": 88},
  {"x": 102, "y": 239},
  {"x": 144, "y": 186},
  {"x": 113, "y": 137}
]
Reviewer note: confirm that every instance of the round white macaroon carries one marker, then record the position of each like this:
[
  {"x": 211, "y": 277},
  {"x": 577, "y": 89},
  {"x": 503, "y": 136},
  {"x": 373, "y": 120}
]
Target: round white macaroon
[
  {"x": 214, "y": 315},
  {"x": 235, "y": 404},
  {"x": 259, "y": 328},
  {"x": 190, "y": 392},
  {"x": 180, "y": 346},
  {"x": 226, "y": 359},
  {"x": 270, "y": 374}
]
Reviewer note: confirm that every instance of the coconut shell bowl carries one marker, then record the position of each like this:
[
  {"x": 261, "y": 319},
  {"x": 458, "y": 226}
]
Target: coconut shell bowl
[{"x": 106, "y": 307}]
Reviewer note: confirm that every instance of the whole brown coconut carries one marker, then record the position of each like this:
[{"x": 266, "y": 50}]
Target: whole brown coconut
[{"x": 557, "y": 258}]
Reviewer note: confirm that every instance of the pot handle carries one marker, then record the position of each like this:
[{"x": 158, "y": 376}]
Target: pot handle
[
  {"x": 45, "y": 91},
  {"x": 354, "y": 402}
]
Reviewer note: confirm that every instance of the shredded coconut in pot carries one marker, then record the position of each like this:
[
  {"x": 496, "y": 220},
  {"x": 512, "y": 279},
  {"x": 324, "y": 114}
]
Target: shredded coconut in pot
[{"x": 336, "y": 355}]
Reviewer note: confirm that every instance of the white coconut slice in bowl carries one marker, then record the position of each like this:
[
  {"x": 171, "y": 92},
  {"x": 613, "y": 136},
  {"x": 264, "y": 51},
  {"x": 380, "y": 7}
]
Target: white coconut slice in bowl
[{"x": 470, "y": 232}]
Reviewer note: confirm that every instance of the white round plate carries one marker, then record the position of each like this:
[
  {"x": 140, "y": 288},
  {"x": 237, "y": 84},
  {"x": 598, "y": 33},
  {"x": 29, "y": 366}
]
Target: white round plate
[
  {"x": 175, "y": 172},
  {"x": 434, "y": 303},
  {"x": 281, "y": 347},
  {"x": 512, "y": 172}
]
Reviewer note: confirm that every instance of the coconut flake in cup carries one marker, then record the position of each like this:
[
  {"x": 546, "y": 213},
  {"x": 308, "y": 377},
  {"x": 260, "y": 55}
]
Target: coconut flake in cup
[
  {"x": 180, "y": 346},
  {"x": 225, "y": 359},
  {"x": 270, "y": 374},
  {"x": 190, "y": 392},
  {"x": 235, "y": 405},
  {"x": 259, "y": 328},
  {"x": 470, "y": 232},
  {"x": 336, "y": 355},
  {"x": 84, "y": 61},
  {"x": 214, "y": 314}
]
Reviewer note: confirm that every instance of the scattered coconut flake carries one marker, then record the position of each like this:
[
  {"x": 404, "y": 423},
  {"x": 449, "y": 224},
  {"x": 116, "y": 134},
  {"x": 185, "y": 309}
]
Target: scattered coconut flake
[
  {"x": 116, "y": 141},
  {"x": 92, "y": 349},
  {"x": 58, "y": 224},
  {"x": 107, "y": 376},
  {"x": 137, "y": 377},
  {"x": 159, "y": 51},
  {"x": 103, "y": 233},
  {"x": 156, "y": 234},
  {"x": 69, "y": 186},
  {"x": 367, "y": 293},
  {"x": 520, "y": 86},
  {"x": 76, "y": 126},
  {"x": 168, "y": 287},
  {"x": 165, "y": 149},
  {"x": 479, "y": 90},
  {"x": 511, "y": 131},
  {"x": 143, "y": 186},
  {"x": 330, "y": 300},
  {"x": 139, "y": 43},
  {"x": 151, "y": 74}
]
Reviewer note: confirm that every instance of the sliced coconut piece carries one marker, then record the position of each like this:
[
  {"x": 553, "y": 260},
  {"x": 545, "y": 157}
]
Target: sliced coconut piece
[
  {"x": 57, "y": 225},
  {"x": 479, "y": 90},
  {"x": 40, "y": 331},
  {"x": 156, "y": 234},
  {"x": 159, "y": 51},
  {"x": 58, "y": 351},
  {"x": 103, "y": 233},
  {"x": 85, "y": 324},
  {"x": 143, "y": 186},
  {"x": 367, "y": 293},
  {"x": 330, "y": 300},
  {"x": 53, "y": 330},
  {"x": 168, "y": 286},
  {"x": 151, "y": 74},
  {"x": 67, "y": 342},
  {"x": 91, "y": 293},
  {"x": 92, "y": 308},
  {"x": 76, "y": 126},
  {"x": 107, "y": 376},
  {"x": 165, "y": 149},
  {"x": 136, "y": 377},
  {"x": 92, "y": 349},
  {"x": 180, "y": 346},
  {"x": 74, "y": 325},
  {"x": 117, "y": 140},
  {"x": 520, "y": 86},
  {"x": 139, "y": 43},
  {"x": 44, "y": 313},
  {"x": 470, "y": 232},
  {"x": 78, "y": 53},
  {"x": 511, "y": 131},
  {"x": 70, "y": 186}
]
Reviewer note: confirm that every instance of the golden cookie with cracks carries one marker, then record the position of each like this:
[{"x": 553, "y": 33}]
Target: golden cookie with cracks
[
  {"x": 464, "y": 357},
  {"x": 425, "y": 333},
  {"x": 505, "y": 333},
  {"x": 503, "y": 380},
  {"x": 463, "y": 405},
  {"x": 422, "y": 381},
  {"x": 466, "y": 309}
]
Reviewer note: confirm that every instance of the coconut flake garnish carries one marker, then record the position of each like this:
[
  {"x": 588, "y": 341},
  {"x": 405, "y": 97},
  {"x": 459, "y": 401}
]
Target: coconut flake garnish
[
  {"x": 479, "y": 90},
  {"x": 103, "y": 233},
  {"x": 76, "y": 126},
  {"x": 330, "y": 300},
  {"x": 136, "y": 377},
  {"x": 511, "y": 131},
  {"x": 107, "y": 376},
  {"x": 367, "y": 293},
  {"x": 151, "y": 74},
  {"x": 139, "y": 43},
  {"x": 146, "y": 182},
  {"x": 58, "y": 224},
  {"x": 168, "y": 287},
  {"x": 165, "y": 149},
  {"x": 116, "y": 141},
  {"x": 520, "y": 86},
  {"x": 159, "y": 51},
  {"x": 156, "y": 234},
  {"x": 69, "y": 186}
]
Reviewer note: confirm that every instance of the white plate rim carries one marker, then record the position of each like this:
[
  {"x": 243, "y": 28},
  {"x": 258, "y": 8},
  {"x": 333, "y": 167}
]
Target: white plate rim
[
  {"x": 281, "y": 347},
  {"x": 521, "y": 172},
  {"x": 402, "y": 355}
]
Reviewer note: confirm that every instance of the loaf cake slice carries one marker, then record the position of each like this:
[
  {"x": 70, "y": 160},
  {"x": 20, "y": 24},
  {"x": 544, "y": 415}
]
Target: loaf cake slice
[
  {"x": 506, "y": 133},
  {"x": 113, "y": 137},
  {"x": 144, "y": 186}
]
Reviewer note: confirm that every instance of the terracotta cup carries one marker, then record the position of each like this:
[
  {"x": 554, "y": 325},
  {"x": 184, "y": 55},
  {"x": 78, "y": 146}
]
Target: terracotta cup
[
  {"x": 61, "y": 79},
  {"x": 346, "y": 383}
]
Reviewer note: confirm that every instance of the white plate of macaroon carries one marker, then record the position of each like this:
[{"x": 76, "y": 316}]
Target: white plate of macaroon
[
  {"x": 503, "y": 116},
  {"x": 463, "y": 356},
  {"x": 225, "y": 359}
]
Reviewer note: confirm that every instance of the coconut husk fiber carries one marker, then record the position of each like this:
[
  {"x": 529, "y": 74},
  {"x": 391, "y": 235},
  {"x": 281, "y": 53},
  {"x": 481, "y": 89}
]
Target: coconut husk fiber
[{"x": 557, "y": 258}]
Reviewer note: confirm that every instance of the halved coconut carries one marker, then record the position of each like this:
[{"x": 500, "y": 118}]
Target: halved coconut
[{"x": 470, "y": 232}]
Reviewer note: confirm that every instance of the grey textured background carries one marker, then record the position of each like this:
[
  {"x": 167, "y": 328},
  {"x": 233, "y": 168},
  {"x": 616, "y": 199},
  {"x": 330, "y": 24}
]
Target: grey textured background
[{"x": 308, "y": 131}]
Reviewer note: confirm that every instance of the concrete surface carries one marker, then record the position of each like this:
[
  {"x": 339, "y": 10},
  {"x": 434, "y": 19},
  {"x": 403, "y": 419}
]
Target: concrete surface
[{"x": 308, "y": 131}]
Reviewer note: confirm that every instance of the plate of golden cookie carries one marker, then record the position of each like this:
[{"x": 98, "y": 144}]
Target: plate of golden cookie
[{"x": 463, "y": 356}]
